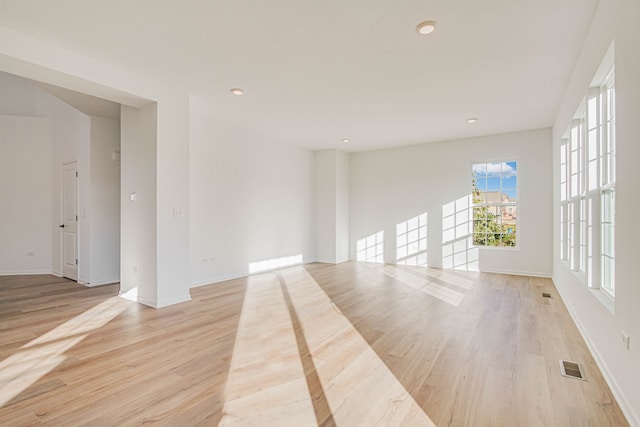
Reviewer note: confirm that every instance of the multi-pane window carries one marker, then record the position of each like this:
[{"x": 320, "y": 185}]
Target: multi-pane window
[
  {"x": 587, "y": 188},
  {"x": 495, "y": 208}
]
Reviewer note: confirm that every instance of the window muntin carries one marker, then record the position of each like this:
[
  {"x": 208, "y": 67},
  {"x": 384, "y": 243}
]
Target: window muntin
[
  {"x": 587, "y": 189},
  {"x": 494, "y": 194}
]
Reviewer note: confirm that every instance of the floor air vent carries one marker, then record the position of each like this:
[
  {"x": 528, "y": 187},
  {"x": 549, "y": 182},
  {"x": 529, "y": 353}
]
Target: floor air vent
[
  {"x": 546, "y": 295},
  {"x": 571, "y": 370}
]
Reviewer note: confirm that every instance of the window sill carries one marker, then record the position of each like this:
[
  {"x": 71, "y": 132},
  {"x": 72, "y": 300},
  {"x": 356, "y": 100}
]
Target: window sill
[
  {"x": 497, "y": 248},
  {"x": 605, "y": 299}
]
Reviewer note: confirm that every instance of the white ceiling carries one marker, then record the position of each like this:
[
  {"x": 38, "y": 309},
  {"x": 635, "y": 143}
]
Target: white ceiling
[{"x": 315, "y": 72}]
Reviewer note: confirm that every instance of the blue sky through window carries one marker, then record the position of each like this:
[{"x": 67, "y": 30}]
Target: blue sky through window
[{"x": 499, "y": 176}]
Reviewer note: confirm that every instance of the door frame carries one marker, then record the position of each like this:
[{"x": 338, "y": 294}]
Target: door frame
[{"x": 61, "y": 214}]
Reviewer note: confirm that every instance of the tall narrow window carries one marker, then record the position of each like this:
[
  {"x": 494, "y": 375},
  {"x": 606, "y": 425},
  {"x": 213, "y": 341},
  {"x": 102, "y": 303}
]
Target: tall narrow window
[
  {"x": 608, "y": 184},
  {"x": 587, "y": 185},
  {"x": 495, "y": 207},
  {"x": 564, "y": 199}
]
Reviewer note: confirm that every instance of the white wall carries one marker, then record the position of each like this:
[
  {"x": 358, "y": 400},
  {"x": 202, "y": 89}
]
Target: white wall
[
  {"x": 394, "y": 185},
  {"x": 138, "y": 255},
  {"x": 250, "y": 199},
  {"x": 69, "y": 136},
  {"x": 74, "y": 136},
  {"x": 342, "y": 206},
  {"x": 104, "y": 209},
  {"x": 614, "y": 20},
  {"x": 325, "y": 205},
  {"x": 172, "y": 213},
  {"x": 25, "y": 195},
  {"x": 37, "y": 59},
  {"x": 18, "y": 96},
  {"x": 331, "y": 206}
]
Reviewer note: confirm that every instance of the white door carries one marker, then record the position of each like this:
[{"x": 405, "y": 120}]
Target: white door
[{"x": 69, "y": 224}]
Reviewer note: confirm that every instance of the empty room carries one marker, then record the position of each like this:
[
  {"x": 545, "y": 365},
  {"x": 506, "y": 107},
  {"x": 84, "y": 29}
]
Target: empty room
[{"x": 319, "y": 213}]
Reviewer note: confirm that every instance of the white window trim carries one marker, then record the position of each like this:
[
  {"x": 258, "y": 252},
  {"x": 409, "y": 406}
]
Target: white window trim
[
  {"x": 516, "y": 205},
  {"x": 581, "y": 237}
]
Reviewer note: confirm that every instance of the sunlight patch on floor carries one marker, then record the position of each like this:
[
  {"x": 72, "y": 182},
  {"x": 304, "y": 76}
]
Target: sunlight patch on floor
[
  {"x": 43, "y": 354},
  {"x": 274, "y": 263},
  {"x": 94, "y": 318},
  {"x": 266, "y": 385},
  {"x": 359, "y": 388},
  {"x": 435, "y": 290}
]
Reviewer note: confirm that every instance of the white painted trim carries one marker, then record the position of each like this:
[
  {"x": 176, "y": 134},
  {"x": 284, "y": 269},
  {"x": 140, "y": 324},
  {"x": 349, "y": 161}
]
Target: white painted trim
[
  {"x": 330, "y": 261},
  {"x": 103, "y": 282},
  {"x": 164, "y": 303},
  {"x": 327, "y": 260},
  {"x": 518, "y": 273},
  {"x": 632, "y": 417},
  {"x": 146, "y": 302},
  {"x": 61, "y": 216},
  {"x": 218, "y": 279},
  {"x": 175, "y": 300},
  {"x": 25, "y": 272}
]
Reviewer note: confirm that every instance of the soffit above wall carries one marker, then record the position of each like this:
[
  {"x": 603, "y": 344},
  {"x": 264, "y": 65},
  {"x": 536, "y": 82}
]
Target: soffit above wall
[{"x": 87, "y": 104}]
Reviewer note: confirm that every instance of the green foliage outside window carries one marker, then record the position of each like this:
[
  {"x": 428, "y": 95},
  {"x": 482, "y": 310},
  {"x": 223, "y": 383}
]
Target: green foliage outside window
[{"x": 492, "y": 226}]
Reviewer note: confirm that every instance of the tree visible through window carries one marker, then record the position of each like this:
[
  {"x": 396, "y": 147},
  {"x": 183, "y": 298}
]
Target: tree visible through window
[{"x": 494, "y": 192}]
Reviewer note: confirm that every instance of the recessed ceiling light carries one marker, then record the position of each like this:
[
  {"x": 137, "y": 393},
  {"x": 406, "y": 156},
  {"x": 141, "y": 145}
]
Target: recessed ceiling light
[
  {"x": 237, "y": 91},
  {"x": 345, "y": 140},
  {"x": 426, "y": 27},
  {"x": 472, "y": 120}
]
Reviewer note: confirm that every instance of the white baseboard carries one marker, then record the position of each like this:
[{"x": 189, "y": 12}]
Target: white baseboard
[
  {"x": 165, "y": 302},
  {"x": 518, "y": 273},
  {"x": 103, "y": 282},
  {"x": 330, "y": 260},
  {"x": 326, "y": 260},
  {"x": 146, "y": 302},
  {"x": 24, "y": 272},
  {"x": 224, "y": 278},
  {"x": 217, "y": 279},
  {"x": 632, "y": 417},
  {"x": 175, "y": 300}
]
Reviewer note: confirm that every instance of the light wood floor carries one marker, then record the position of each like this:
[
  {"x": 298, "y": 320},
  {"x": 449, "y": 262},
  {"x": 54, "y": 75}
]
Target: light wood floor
[{"x": 353, "y": 344}]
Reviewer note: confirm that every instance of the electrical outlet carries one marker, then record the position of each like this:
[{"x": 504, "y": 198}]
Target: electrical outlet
[
  {"x": 625, "y": 339},
  {"x": 212, "y": 259},
  {"x": 31, "y": 253},
  {"x": 204, "y": 260},
  {"x": 135, "y": 270}
]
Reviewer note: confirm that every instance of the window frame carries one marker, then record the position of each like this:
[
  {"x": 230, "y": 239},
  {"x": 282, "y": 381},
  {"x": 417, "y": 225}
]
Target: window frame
[
  {"x": 587, "y": 181},
  {"x": 501, "y": 207}
]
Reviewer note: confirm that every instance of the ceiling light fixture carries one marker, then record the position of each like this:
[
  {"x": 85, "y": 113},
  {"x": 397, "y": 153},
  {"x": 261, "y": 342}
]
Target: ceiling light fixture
[
  {"x": 237, "y": 91},
  {"x": 345, "y": 140},
  {"x": 426, "y": 27},
  {"x": 472, "y": 120}
]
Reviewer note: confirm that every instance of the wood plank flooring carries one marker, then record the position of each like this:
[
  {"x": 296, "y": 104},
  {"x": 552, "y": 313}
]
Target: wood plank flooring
[{"x": 354, "y": 344}]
